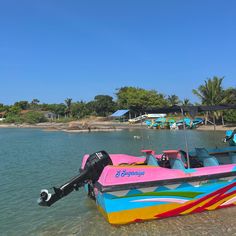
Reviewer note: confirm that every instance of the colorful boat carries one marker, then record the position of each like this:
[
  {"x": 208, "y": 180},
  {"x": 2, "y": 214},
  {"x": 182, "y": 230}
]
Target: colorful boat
[
  {"x": 171, "y": 121},
  {"x": 160, "y": 123},
  {"x": 197, "y": 122},
  {"x": 189, "y": 123},
  {"x": 186, "y": 121},
  {"x": 230, "y": 137},
  {"x": 132, "y": 189}
]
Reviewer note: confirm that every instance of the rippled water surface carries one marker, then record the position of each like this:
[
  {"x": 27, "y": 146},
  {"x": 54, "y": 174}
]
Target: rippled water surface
[{"x": 33, "y": 159}]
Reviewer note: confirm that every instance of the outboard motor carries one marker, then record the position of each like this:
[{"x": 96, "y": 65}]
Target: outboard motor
[{"x": 94, "y": 166}]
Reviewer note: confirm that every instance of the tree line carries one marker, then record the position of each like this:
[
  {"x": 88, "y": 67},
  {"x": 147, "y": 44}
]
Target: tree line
[{"x": 209, "y": 93}]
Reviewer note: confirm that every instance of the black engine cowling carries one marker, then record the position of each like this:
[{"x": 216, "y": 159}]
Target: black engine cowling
[{"x": 94, "y": 166}]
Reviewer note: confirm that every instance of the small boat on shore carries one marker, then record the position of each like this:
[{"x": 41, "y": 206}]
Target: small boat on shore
[
  {"x": 189, "y": 123},
  {"x": 230, "y": 137}
]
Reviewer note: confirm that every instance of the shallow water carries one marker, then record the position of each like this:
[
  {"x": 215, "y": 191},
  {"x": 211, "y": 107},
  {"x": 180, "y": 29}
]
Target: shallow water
[{"x": 33, "y": 159}]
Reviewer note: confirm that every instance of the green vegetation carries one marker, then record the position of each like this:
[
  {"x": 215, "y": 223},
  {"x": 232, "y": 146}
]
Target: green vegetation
[
  {"x": 173, "y": 100},
  {"x": 33, "y": 117},
  {"x": 130, "y": 97},
  {"x": 210, "y": 93}
]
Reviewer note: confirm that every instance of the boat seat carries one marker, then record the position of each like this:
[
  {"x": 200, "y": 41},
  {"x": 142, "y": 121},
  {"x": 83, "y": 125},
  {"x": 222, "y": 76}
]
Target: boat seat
[
  {"x": 152, "y": 161},
  {"x": 206, "y": 158},
  {"x": 233, "y": 157},
  {"x": 210, "y": 161},
  {"x": 176, "y": 164},
  {"x": 183, "y": 156},
  {"x": 193, "y": 161}
]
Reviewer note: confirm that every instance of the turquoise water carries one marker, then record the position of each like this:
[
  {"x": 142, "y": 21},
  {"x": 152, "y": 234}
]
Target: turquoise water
[{"x": 34, "y": 159}]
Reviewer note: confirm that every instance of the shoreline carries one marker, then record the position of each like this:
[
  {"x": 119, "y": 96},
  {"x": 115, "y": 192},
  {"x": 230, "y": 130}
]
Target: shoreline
[{"x": 105, "y": 126}]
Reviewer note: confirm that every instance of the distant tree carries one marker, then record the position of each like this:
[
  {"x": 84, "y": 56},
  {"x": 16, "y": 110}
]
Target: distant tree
[
  {"x": 75, "y": 109},
  {"x": 91, "y": 108},
  {"x": 23, "y": 105},
  {"x": 11, "y": 118},
  {"x": 186, "y": 102},
  {"x": 230, "y": 95},
  {"x": 2, "y": 107},
  {"x": 83, "y": 110},
  {"x": 104, "y": 104},
  {"x": 79, "y": 109},
  {"x": 14, "y": 110},
  {"x": 33, "y": 117},
  {"x": 173, "y": 100},
  {"x": 58, "y": 109},
  {"x": 212, "y": 92},
  {"x": 230, "y": 115},
  {"x": 34, "y": 104},
  {"x": 13, "y": 115},
  {"x": 68, "y": 103},
  {"x": 35, "y": 101},
  {"x": 140, "y": 99}
]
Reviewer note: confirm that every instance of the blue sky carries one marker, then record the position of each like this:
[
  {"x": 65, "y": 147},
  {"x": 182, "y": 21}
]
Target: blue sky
[{"x": 52, "y": 50}]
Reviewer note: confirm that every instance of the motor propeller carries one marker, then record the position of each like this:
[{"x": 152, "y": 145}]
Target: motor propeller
[{"x": 44, "y": 195}]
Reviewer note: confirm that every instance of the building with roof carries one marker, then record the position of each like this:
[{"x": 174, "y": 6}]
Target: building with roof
[{"x": 2, "y": 115}]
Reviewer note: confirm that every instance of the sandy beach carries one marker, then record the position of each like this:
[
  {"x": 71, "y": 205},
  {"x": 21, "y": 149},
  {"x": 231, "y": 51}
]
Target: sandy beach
[{"x": 98, "y": 125}]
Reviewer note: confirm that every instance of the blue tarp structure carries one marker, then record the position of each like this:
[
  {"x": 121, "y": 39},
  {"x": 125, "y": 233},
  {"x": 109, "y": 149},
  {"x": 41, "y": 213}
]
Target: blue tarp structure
[{"x": 119, "y": 113}]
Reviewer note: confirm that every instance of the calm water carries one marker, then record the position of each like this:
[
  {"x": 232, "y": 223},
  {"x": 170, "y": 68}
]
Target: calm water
[{"x": 33, "y": 159}]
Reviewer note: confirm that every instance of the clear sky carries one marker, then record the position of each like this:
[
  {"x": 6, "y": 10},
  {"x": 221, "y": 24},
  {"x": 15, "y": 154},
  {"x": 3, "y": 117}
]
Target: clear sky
[{"x": 54, "y": 49}]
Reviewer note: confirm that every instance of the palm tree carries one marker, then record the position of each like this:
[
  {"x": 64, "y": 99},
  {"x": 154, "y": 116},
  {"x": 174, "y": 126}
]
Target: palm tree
[
  {"x": 212, "y": 93},
  {"x": 34, "y": 103},
  {"x": 230, "y": 94},
  {"x": 186, "y": 102},
  {"x": 68, "y": 103},
  {"x": 173, "y": 100}
]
